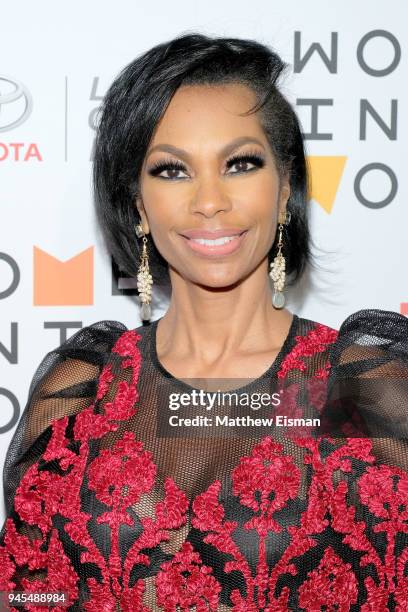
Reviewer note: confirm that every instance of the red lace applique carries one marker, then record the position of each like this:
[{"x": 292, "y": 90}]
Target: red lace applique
[
  {"x": 315, "y": 341},
  {"x": 263, "y": 482},
  {"x": 118, "y": 476},
  {"x": 199, "y": 588},
  {"x": 333, "y": 582},
  {"x": 332, "y": 585}
]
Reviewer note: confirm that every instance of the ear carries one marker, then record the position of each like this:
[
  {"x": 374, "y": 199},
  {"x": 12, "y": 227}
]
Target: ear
[{"x": 143, "y": 217}]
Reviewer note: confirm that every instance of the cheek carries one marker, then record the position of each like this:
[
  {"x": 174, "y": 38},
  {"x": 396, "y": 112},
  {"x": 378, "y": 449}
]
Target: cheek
[
  {"x": 161, "y": 221},
  {"x": 262, "y": 197},
  {"x": 263, "y": 180},
  {"x": 268, "y": 188},
  {"x": 159, "y": 203}
]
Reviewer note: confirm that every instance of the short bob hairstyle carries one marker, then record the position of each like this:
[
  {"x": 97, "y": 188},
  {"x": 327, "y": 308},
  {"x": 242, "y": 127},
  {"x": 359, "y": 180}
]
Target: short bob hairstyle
[{"x": 137, "y": 100}]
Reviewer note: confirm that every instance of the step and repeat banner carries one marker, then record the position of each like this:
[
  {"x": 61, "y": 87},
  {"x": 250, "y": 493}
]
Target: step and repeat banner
[{"x": 347, "y": 81}]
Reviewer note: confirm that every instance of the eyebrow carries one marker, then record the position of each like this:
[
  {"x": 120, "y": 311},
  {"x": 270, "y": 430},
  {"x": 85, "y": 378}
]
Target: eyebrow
[{"x": 168, "y": 148}]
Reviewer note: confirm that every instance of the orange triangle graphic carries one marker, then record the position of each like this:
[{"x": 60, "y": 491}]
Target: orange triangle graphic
[
  {"x": 63, "y": 283},
  {"x": 325, "y": 173},
  {"x": 404, "y": 308}
]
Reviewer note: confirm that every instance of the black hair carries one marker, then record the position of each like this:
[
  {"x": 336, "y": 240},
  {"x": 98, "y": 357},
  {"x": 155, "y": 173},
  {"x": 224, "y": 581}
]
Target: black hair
[{"x": 137, "y": 100}]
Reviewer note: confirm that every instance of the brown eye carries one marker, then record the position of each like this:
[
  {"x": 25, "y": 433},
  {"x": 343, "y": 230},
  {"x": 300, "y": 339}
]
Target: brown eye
[
  {"x": 244, "y": 163},
  {"x": 171, "y": 167}
]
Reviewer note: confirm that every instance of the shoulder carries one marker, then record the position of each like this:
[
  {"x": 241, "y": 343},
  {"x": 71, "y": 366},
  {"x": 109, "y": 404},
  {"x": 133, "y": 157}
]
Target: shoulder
[
  {"x": 363, "y": 332},
  {"x": 77, "y": 359},
  {"x": 374, "y": 338},
  {"x": 369, "y": 342},
  {"x": 67, "y": 377},
  {"x": 380, "y": 323},
  {"x": 367, "y": 390},
  {"x": 99, "y": 335},
  {"x": 315, "y": 330}
]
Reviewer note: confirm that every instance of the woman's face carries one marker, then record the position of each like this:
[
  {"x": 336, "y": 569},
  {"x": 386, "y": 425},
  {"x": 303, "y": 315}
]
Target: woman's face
[{"x": 208, "y": 168}]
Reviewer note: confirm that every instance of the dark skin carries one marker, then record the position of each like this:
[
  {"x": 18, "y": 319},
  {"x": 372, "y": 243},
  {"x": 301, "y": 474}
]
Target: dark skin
[{"x": 220, "y": 321}]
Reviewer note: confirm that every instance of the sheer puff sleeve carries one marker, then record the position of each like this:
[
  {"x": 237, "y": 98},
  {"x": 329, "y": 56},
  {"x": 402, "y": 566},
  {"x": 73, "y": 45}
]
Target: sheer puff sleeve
[
  {"x": 368, "y": 383},
  {"x": 367, "y": 413},
  {"x": 64, "y": 384}
]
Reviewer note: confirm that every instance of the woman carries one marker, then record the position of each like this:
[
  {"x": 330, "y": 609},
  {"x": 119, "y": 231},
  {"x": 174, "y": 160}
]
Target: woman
[{"x": 114, "y": 497}]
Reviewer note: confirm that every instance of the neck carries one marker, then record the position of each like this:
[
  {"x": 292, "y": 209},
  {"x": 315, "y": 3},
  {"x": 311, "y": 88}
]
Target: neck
[{"x": 208, "y": 323}]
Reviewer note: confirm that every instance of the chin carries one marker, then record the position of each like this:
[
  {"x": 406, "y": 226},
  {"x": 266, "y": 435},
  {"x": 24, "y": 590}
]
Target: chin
[{"x": 216, "y": 281}]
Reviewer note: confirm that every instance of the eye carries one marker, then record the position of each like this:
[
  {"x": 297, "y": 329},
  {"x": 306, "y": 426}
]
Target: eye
[
  {"x": 174, "y": 168},
  {"x": 243, "y": 161},
  {"x": 169, "y": 166}
]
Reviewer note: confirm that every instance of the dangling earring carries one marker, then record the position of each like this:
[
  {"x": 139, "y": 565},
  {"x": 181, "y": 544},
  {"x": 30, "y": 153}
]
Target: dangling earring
[
  {"x": 144, "y": 278},
  {"x": 277, "y": 273}
]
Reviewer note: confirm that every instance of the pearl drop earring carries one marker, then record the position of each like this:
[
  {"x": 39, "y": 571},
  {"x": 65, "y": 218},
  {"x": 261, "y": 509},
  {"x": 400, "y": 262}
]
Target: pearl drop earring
[
  {"x": 144, "y": 278},
  {"x": 277, "y": 272}
]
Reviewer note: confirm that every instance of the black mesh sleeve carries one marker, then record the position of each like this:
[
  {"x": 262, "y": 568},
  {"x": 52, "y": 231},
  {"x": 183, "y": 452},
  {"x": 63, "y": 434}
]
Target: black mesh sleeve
[
  {"x": 64, "y": 383},
  {"x": 368, "y": 384}
]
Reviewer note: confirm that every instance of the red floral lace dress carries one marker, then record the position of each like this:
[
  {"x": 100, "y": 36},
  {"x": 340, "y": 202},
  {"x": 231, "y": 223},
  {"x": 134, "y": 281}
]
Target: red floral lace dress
[{"x": 107, "y": 505}]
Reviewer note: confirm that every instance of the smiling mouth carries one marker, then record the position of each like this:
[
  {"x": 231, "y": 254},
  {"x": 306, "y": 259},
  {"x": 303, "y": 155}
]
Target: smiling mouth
[
  {"x": 216, "y": 241},
  {"x": 224, "y": 245}
]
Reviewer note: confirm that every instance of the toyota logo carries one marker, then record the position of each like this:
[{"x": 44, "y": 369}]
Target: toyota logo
[{"x": 15, "y": 105}]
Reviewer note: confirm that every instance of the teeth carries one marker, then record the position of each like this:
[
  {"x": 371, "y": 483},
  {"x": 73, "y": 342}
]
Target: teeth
[{"x": 218, "y": 241}]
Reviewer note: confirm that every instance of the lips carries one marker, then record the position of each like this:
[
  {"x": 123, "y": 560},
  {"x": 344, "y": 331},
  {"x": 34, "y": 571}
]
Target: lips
[
  {"x": 212, "y": 234},
  {"x": 214, "y": 250}
]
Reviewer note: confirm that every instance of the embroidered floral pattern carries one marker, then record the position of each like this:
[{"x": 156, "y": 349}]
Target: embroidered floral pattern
[
  {"x": 198, "y": 588},
  {"x": 118, "y": 476},
  {"x": 305, "y": 574},
  {"x": 315, "y": 341}
]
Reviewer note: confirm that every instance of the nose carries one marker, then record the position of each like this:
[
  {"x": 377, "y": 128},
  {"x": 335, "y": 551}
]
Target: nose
[{"x": 210, "y": 197}]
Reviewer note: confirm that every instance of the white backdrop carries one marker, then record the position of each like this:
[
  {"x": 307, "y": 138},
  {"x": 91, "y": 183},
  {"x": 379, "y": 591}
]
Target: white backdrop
[{"x": 346, "y": 79}]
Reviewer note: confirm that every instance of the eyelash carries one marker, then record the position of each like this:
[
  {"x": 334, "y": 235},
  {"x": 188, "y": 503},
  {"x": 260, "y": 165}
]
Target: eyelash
[{"x": 252, "y": 158}]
